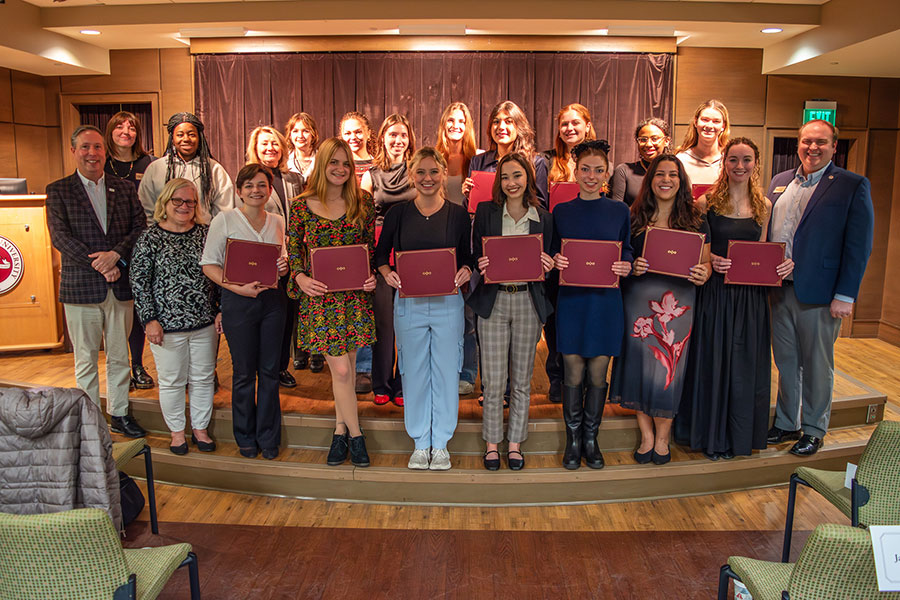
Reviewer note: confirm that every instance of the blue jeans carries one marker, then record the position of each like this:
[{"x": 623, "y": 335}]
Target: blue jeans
[
  {"x": 470, "y": 349},
  {"x": 364, "y": 360}
]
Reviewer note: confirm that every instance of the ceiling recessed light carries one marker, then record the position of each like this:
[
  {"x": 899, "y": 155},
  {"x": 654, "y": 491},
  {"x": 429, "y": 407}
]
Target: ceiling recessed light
[
  {"x": 89, "y": 32},
  {"x": 772, "y": 30}
]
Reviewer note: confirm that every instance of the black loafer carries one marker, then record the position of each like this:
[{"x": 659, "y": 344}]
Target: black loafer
[
  {"x": 777, "y": 435},
  {"x": 491, "y": 464},
  {"x": 140, "y": 379},
  {"x": 179, "y": 450},
  {"x": 270, "y": 453},
  {"x": 285, "y": 379},
  {"x": 806, "y": 446},
  {"x": 316, "y": 363},
  {"x": 340, "y": 447},
  {"x": 515, "y": 464},
  {"x": 203, "y": 446},
  {"x": 127, "y": 426},
  {"x": 660, "y": 459},
  {"x": 249, "y": 452}
]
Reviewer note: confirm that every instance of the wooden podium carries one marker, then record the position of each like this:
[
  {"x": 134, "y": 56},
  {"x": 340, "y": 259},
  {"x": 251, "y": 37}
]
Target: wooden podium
[{"x": 30, "y": 314}]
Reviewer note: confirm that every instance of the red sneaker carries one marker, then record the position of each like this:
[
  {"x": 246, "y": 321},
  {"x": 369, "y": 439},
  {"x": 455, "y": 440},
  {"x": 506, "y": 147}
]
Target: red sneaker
[
  {"x": 382, "y": 399},
  {"x": 398, "y": 400}
]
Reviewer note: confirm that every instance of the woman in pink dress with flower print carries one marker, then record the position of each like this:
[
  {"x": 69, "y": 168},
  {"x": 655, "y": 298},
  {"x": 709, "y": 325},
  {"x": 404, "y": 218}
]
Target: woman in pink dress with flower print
[{"x": 648, "y": 375}]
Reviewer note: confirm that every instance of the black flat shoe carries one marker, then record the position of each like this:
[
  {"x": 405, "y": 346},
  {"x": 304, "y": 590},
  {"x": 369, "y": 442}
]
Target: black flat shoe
[
  {"x": 515, "y": 464},
  {"x": 249, "y": 452},
  {"x": 127, "y": 426},
  {"x": 203, "y": 446},
  {"x": 179, "y": 450},
  {"x": 285, "y": 379},
  {"x": 301, "y": 361},
  {"x": 340, "y": 447},
  {"x": 660, "y": 459},
  {"x": 807, "y": 446},
  {"x": 491, "y": 464},
  {"x": 727, "y": 455},
  {"x": 712, "y": 455},
  {"x": 358, "y": 455},
  {"x": 316, "y": 363},
  {"x": 642, "y": 458},
  {"x": 270, "y": 453},
  {"x": 140, "y": 379},
  {"x": 777, "y": 435}
]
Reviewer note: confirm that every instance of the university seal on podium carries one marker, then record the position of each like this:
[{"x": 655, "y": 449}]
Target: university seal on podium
[{"x": 11, "y": 265}]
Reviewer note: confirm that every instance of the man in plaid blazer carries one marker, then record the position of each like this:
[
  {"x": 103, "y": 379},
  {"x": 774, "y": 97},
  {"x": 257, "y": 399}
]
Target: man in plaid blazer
[{"x": 94, "y": 221}]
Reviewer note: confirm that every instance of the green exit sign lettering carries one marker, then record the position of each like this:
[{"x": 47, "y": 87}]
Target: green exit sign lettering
[{"x": 821, "y": 114}]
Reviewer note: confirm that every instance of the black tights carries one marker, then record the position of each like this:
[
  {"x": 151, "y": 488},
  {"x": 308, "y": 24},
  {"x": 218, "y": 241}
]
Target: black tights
[{"x": 575, "y": 365}]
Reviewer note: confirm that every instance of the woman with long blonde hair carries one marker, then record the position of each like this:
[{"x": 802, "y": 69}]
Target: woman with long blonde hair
[
  {"x": 725, "y": 407},
  {"x": 333, "y": 211},
  {"x": 456, "y": 143},
  {"x": 701, "y": 150}
]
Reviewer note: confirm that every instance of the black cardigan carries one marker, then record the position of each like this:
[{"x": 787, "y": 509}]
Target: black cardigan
[{"x": 489, "y": 221}]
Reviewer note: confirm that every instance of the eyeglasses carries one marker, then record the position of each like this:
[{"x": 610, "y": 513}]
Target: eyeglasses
[
  {"x": 179, "y": 202},
  {"x": 655, "y": 139}
]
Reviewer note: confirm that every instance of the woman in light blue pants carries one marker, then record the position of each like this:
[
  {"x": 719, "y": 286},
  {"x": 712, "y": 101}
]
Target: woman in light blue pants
[{"x": 429, "y": 331}]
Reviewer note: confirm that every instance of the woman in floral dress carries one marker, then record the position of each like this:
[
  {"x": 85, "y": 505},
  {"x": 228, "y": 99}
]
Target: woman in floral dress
[
  {"x": 649, "y": 373},
  {"x": 333, "y": 211}
]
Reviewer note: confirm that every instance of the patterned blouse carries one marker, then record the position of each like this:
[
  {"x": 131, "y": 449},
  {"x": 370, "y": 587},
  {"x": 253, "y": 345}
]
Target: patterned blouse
[{"x": 168, "y": 283}]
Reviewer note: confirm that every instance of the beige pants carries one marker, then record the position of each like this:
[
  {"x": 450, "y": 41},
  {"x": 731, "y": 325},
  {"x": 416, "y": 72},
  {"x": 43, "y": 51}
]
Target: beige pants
[{"x": 111, "y": 321}]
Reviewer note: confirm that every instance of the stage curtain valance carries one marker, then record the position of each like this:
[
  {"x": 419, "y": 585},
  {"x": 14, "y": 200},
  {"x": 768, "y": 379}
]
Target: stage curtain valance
[{"x": 237, "y": 92}]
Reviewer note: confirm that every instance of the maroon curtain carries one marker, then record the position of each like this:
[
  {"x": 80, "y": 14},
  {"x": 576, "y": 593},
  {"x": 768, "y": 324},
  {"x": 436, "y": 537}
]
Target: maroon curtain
[{"x": 237, "y": 92}]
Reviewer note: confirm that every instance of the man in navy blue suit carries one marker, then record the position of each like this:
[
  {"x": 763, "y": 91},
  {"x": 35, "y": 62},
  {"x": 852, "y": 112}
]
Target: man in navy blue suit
[{"x": 824, "y": 216}]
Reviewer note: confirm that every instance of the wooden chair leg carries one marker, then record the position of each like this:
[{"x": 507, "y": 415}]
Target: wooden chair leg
[
  {"x": 725, "y": 573},
  {"x": 151, "y": 491}
]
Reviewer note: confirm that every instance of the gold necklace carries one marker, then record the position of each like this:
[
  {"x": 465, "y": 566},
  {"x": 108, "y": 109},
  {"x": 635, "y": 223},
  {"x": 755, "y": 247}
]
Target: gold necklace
[{"x": 112, "y": 165}]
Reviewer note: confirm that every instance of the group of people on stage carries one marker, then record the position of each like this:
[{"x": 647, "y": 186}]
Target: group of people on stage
[{"x": 691, "y": 356}]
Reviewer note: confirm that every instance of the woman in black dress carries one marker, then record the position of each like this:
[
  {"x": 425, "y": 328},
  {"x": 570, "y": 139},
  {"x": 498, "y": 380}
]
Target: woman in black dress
[
  {"x": 725, "y": 407},
  {"x": 127, "y": 159},
  {"x": 648, "y": 375},
  {"x": 652, "y": 138}
]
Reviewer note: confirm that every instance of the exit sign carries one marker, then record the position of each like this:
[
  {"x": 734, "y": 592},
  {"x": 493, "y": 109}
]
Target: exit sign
[{"x": 820, "y": 110}]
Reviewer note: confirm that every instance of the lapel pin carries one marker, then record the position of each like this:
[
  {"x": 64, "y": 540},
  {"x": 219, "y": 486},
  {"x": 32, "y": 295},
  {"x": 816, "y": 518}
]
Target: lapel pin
[{"x": 831, "y": 177}]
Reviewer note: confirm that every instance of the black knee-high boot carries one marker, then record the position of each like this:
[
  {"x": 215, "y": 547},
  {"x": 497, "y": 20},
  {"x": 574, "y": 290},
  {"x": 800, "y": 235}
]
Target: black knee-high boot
[
  {"x": 572, "y": 401},
  {"x": 594, "y": 401}
]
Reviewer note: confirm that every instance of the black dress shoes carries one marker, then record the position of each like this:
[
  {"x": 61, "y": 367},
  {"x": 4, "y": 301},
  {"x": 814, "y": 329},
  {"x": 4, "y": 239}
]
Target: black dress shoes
[
  {"x": 140, "y": 379},
  {"x": 301, "y": 360},
  {"x": 179, "y": 450},
  {"x": 270, "y": 453},
  {"x": 491, "y": 464},
  {"x": 127, "y": 426},
  {"x": 203, "y": 446},
  {"x": 807, "y": 446},
  {"x": 777, "y": 435},
  {"x": 251, "y": 452},
  {"x": 316, "y": 363},
  {"x": 285, "y": 379},
  {"x": 660, "y": 459},
  {"x": 643, "y": 458},
  {"x": 516, "y": 463}
]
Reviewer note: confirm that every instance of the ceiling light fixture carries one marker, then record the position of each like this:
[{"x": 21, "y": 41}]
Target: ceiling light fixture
[
  {"x": 771, "y": 30},
  {"x": 89, "y": 32}
]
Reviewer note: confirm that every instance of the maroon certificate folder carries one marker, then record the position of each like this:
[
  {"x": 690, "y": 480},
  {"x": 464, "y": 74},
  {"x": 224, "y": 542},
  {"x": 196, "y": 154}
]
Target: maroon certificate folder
[
  {"x": 672, "y": 251},
  {"x": 246, "y": 262},
  {"x": 699, "y": 189},
  {"x": 513, "y": 258},
  {"x": 561, "y": 192},
  {"x": 590, "y": 263},
  {"x": 482, "y": 190},
  {"x": 754, "y": 263},
  {"x": 341, "y": 268},
  {"x": 427, "y": 272}
]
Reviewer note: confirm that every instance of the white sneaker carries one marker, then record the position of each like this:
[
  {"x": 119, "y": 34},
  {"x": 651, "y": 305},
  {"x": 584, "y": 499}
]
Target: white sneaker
[
  {"x": 419, "y": 459},
  {"x": 440, "y": 459},
  {"x": 465, "y": 388}
]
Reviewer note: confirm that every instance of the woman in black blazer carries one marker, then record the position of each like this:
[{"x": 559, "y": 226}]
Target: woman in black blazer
[{"x": 510, "y": 314}]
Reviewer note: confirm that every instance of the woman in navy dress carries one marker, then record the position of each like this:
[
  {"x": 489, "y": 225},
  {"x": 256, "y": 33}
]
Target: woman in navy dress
[
  {"x": 648, "y": 375},
  {"x": 725, "y": 408},
  {"x": 589, "y": 320}
]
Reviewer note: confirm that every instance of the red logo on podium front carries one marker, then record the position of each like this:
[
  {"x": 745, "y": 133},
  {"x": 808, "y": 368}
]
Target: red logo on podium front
[{"x": 11, "y": 265}]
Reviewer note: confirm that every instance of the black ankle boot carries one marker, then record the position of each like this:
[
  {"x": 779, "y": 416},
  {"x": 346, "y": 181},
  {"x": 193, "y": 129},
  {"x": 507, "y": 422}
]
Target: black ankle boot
[
  {"x": 572, "y": 401},
  {"x": 337, "y": 454},
  {"x": 358, "y": 455},
  {"x": 594, "y": 401}
]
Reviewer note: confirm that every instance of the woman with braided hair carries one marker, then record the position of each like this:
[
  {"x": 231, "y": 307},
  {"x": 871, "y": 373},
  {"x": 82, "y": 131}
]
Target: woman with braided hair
[{"x": 187, "y": 156}]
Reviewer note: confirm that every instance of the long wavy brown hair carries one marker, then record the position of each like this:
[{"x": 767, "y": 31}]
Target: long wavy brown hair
[
  {"x": 530, "y": 197},
  {"x": 719, "y": 197},
  {"x": 684, "y": 216},
  {"x": 382, "y": 161},
  {"x": 559, "y": 170},
  {"x": 524, "y": 141},
  {"x": 317, "y": 186},
  {"x": 469, "y": 148}
]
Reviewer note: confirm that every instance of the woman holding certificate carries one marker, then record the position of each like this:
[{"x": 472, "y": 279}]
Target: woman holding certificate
[
  {"x": 388, "y": 182},
  {"x": 510, "y": 314},
  {"x": 589, "y": 319},
  {"x": 701, "y": 150},
  {"x": 253, "y": 313},
  {"x": 333, "y": 211},
  {"x": 648, "y": 375},
  {"x": 429, "y": 327},
  {"x": 725, "y": 408}
]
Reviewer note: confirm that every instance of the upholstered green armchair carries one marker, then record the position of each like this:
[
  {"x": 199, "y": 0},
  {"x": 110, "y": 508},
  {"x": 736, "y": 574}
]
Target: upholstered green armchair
[
  {"x": 124, "y": 452},
  {"x": 76, "y": 554},
  {"x": 835, "y": 564},
  {"x": 872, "y": 500}
]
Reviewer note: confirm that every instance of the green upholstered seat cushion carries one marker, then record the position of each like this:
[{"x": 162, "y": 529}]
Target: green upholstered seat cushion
[
  {"x": 125, "y": 451},
  {"x": 154, "y": 566},
  {"x": 765, "y": 580},
  {"x": 828, "y": 483},
  {"x": 879, "y": 472}
]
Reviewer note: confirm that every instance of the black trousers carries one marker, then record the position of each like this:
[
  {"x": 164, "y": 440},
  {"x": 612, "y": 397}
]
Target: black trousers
[
  {"x": 290, "y": 330},
  {"x": 251, "y": 325},
  {"x": 385, "y": 377},
  {"x": 136, "y": 341},
  {"x": 554, "y": 364}
]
